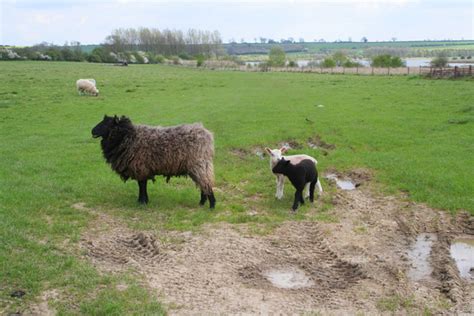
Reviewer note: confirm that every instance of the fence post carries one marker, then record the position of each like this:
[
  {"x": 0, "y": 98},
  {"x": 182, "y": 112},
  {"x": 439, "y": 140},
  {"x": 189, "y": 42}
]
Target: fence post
[
  {"x": 372, "y": 71},
  {"x": 455, "y": 71},
  {"x": 357, "y": 70},
  {"x": 388, "y": 71},
  {"x": 470, "y": 70},
  {"x": 408, "y": 70}
]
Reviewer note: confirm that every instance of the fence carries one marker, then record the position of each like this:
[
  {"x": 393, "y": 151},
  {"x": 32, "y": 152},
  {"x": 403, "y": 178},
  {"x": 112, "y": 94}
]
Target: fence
[
  {"x": 455, "y": 72},
  {"x": 374, "y": 71}
]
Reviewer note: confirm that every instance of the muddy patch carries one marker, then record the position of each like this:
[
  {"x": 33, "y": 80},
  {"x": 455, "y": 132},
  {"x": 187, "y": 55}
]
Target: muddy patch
[
  {"x": 346, "y": 184},
  {"x": 419, "y": 254},
  {"x": 350, "y": 180},
  {"x": 316, "y": 142},
  {"x": 462, "y": 251},
  {"x": 290, "y": 144},
  {"x": 301, "y": 267},
  {"x": 288, "y": 277}
]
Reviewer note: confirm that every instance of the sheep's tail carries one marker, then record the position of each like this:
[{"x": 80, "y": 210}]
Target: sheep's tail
[{"x": 203, "y": 176}]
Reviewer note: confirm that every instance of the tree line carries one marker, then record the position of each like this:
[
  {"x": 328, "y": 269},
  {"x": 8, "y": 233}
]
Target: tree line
[{"x": 166, "y": 42}]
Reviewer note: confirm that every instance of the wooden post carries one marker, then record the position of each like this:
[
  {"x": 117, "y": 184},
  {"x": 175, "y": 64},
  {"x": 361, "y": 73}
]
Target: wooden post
[
  {"x": 470, "y": 70},
  {"x": 357, "y": 70},
  {"x": 455, "y": 71},
  {"x": 388, "y": 71},
  {"x": 408, "y": 70},
  {"x": 372, "y": 70}
]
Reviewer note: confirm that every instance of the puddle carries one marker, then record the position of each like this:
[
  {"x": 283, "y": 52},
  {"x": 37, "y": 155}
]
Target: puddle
[
  {"x": 342, "y": 184},
  {"x": 419, "y": 255},
  {"x": 462, "y": 251},
  {"x": 288, "y": 278}
]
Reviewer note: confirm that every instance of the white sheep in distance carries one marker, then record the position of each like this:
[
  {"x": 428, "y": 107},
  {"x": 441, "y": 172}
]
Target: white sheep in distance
[
  {"x": 275, "y": 156},
  {"x": 87, "y": 86}
]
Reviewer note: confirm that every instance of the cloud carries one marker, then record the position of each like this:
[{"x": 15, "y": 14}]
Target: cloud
[{"x": 48, "y": 18}]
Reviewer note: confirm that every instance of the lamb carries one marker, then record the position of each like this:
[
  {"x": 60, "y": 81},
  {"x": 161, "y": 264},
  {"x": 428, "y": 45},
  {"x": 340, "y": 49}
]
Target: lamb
[
  {"x": 299, "y": 174},
  {"x": 140, "y": 152},
  {"x": 275, "y": 155},
  {"x": 87, "y": 86}
]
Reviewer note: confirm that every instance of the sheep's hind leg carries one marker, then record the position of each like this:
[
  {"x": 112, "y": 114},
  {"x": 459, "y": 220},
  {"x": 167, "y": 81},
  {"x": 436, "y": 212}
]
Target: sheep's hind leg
[
  {"x": 142, "y": 193},
  {"x": 203, "y": 198},
  {"x": 212, "y": 200}
]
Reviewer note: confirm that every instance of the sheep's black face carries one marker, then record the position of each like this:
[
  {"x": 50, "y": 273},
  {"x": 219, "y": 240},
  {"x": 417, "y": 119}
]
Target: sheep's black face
[
  {"x": 281, "y": 166},
  {"x": 103, "y": 128}
]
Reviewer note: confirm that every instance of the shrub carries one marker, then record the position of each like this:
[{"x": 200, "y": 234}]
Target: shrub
[
  {"x": 339, "y": 58},
  {"x": 439, "y": 61},
  {"x": 292, "y": 63},
  {"x": 200, "y": 60},
  {"x": 184, "y": 56},
  {"x": 351, "y": 64},
  {"x": 469, "y": 57},
  {"x": 139, "y": 58},
  {"x": 387, "y": 60},
  {"x": 328, "y": 62},
  {"x": 276, "y": 57}
]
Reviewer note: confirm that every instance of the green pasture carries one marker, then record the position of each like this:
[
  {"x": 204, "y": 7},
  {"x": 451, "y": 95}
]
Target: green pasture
[{"x": 415, "y": 135}]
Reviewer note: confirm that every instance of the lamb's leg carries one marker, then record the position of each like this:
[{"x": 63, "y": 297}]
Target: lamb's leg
[
  {"x": 311, "y": 190},
  {"x": 301, "y": 197},
  {"x": 320, "y": 188},
  {"x": 298, "y": 198},
  {"x": 142, "y": 194},
  {"x": 306, "y": 190},
  {"x": 203, "y": 198},
  {"x": 280, "y": 182}
]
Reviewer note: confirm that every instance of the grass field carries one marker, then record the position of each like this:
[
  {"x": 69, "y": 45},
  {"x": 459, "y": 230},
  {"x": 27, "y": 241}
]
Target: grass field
[{"x": 415, "y": 135}]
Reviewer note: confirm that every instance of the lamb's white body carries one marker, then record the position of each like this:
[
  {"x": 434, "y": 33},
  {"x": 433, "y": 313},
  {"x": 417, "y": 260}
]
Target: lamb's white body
[
  {"x": 86, "y": 86},
  {"x": 275, "y": 155}
]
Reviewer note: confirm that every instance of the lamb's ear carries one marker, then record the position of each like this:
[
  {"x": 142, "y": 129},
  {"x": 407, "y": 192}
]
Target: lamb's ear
[
  {"x": 283, "y": 149},
  {"x": 269, "y": 151}
]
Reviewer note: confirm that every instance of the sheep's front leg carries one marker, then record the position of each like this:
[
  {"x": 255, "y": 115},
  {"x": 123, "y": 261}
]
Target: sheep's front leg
[
  {"x": 280, "y": 182},
  {"x": 142, "y": 193}
]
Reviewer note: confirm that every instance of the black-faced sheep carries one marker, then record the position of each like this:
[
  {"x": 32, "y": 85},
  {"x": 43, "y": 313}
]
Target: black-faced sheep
[
  {"x": 275, "y": 155},
  {"x": 87, "y": 86},
  {"x": 299, "y": 174},
  {"x": 141, "y": 152}
]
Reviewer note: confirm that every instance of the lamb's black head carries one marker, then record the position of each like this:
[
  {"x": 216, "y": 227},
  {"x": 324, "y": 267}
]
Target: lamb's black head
[
  {"x": 103, "y": 128},
  {"x": 281, "y": 166}
]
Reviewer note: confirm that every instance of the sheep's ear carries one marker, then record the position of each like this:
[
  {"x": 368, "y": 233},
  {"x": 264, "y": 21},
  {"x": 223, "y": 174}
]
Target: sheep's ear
[
  {"x": 269, "y": 151},
  {"x": 283, "y": 149},
  {"x": 116, "y": 119},
  {"x": 287, "y": 162}
]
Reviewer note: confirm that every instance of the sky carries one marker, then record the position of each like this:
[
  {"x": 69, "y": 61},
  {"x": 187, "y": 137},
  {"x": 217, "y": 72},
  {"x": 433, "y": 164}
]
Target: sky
[{"x": 28, "y": 22}]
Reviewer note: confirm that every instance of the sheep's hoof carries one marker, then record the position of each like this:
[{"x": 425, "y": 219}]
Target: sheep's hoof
[{"x": 143, "y": 201}]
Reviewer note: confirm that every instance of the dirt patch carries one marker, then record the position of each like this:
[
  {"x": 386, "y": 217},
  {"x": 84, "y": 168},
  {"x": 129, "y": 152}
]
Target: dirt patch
[
  {"x": 42, "y": 307},
  {"x": 317, "y": 142},
  {"x": 347, "y": 266},
  {"x": 290, "y": 144},
  {"x": 239, "y": 152}
]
